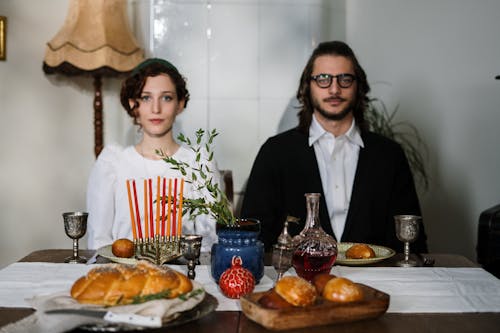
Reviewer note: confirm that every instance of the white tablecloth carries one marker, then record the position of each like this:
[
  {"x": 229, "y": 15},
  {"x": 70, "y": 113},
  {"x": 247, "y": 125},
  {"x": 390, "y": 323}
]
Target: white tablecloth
[{"x": 412, "y": 290}]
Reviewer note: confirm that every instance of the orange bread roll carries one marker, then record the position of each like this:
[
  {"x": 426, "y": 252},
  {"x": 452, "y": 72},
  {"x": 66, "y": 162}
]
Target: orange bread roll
[
  {"x": 296, "y": 290},
  {"x": 360, "y": 251},
  {"x": 123, "y": 248},
  {"x": 115, "y": 284},
  {"x": 342, "y": 290},
  {"x": 320, "y": 281},
  {"x": 272, "y": 300}
]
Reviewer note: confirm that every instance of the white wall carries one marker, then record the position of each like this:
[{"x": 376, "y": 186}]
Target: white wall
[
  {"x": 243, "y": 60},
  {"x": 440, "y": 58},
  {"x": 46, "y": 128}
]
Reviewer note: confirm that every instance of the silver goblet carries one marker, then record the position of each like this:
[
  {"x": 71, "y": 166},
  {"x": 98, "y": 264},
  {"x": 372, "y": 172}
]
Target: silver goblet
[
  {"x": 75, "y": 226},
  {"x": 407, "y": 229},
  {"x": 190, "y": 249}
]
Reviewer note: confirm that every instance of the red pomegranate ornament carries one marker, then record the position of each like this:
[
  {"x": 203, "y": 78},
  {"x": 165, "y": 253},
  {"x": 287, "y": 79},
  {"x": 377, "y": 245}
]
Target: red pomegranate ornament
[{"x": 236, "y": 281}]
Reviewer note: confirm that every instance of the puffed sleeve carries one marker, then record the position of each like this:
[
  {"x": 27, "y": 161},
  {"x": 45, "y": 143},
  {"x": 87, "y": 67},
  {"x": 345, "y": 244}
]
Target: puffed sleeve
[{"x": 100, "y": 198}]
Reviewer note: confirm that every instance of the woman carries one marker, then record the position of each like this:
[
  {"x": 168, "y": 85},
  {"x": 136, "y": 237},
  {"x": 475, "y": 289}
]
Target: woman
[{"x": 153, "y": 95}]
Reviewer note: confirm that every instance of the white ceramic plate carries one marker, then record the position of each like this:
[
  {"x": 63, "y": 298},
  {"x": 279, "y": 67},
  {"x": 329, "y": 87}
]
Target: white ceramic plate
[
  {"x": 106, "y": 252},
  {"x": 381, "y": 253}
]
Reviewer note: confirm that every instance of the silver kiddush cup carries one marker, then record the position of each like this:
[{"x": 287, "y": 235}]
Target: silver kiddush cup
[
  {"x": 407, "y": 229},
  {"x": 75, "y": 226},
  {"x": 190, "y": 248}
]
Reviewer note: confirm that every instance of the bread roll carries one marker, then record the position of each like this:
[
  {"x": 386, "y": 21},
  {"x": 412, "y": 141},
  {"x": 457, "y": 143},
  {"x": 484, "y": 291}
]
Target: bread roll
[
  {"x": 342, "y": 290},
  {"x": 272, "y": 300},
  {"x": 360, "y": 251},
  {"x": 296, "y": 290},
  {"x": 116, "y": 284},
  {"x": 123, "y": 248},
  {"x": 320, "y": 281}
]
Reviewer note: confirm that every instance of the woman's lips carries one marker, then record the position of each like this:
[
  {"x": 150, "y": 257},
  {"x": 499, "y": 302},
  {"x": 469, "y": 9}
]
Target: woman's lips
[{"x": 156, "y": 121}]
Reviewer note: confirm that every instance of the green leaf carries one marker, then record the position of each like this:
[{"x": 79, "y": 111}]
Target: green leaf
[
  {"x": 146, "y": 298},
  {"x": 193, "y": 293},
  {"x": 181, "y": 137}
]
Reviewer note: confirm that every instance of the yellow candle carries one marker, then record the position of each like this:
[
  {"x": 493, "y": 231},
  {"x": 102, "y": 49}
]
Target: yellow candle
[{"x": 131, "y": 207}]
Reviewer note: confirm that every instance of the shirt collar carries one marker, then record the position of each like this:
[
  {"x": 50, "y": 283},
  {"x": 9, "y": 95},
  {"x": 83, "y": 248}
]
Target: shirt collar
[{"x": 316, "y": 131}]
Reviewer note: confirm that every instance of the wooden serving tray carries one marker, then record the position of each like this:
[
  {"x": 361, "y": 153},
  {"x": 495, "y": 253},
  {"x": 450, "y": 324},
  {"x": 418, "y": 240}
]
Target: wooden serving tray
[{"x": 323, "y": 312}]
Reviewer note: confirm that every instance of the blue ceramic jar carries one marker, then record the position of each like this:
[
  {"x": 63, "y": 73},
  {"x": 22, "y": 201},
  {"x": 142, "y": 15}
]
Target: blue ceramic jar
[{"x": 238, "y": 240}]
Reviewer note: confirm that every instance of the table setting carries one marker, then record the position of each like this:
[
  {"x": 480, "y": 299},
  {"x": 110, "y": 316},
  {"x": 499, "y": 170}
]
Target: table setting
[
  {"x": 411, "y": 290},
  {"x": 402, "y": 288}
]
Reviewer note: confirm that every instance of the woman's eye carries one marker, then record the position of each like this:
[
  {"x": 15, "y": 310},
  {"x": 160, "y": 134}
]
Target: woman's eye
[
  {"x": 145, "y": 98},
  {"x": 167, "y": 98}
]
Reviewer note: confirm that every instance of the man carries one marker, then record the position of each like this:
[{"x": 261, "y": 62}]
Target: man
[{"x": 364, "y": 178}]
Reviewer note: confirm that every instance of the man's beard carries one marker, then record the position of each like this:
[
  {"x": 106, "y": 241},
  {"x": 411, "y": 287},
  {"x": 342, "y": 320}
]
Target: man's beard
[{"x": 332, "y": 116}]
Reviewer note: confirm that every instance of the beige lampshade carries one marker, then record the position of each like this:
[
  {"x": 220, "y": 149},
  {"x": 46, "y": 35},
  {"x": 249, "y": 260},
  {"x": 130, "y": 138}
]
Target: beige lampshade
[{"x": 95, "y": 38}]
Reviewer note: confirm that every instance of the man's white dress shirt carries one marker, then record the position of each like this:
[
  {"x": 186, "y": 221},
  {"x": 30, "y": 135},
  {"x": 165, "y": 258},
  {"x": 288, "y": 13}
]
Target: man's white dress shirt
[{"x": 337, "y": 160}]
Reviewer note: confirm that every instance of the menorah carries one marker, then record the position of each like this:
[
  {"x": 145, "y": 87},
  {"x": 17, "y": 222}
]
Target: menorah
[
  {"x": 158, "y": 250},
  {"x": 162, "y": 237}
]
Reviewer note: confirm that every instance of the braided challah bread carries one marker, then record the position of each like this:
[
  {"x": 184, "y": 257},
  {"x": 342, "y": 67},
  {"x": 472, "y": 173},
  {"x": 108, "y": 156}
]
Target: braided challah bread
[{"x": 116, "y": 284}]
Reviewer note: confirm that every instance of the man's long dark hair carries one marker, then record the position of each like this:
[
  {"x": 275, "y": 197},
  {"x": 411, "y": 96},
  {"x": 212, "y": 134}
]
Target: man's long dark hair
[{"x": 336, "y": 48}]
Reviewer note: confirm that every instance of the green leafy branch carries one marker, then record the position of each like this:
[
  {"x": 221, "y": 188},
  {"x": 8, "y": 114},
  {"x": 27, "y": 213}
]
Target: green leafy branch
[
  {"x": 383, "y": 122},
  {"x": 200, "y": 175},
  {"x": 193, "y": 293},
  {"x": 150, "y": 297}
]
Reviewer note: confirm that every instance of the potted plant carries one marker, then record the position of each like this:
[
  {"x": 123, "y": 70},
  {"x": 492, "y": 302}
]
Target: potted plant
[
  {"x": 236, "y": 236},
  {"x": 383, "y": 122}
]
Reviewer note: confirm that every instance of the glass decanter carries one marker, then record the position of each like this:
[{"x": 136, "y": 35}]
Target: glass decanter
[{"x": 315, "y": 250}]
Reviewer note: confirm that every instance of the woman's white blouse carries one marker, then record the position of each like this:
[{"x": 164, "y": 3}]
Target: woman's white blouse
[{"x": 107, "y": 199}]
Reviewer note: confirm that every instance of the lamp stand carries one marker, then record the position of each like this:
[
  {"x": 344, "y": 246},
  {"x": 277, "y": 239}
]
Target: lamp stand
[{"x": 98, "y": 121}]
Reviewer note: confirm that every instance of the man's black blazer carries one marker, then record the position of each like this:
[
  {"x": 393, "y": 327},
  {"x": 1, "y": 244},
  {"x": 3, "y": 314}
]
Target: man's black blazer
[{"x": 286, "y": 168}]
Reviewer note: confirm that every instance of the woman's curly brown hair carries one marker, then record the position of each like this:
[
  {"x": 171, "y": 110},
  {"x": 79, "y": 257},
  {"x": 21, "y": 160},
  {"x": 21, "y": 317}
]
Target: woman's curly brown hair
[{"x": 133, "y": 85}]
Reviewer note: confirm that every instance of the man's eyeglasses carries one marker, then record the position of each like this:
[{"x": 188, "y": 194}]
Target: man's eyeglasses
[{"x": 325, "y": 80}]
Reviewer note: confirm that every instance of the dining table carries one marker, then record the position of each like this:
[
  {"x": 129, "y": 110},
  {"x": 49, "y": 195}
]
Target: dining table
[{"x": 487, "y": 319}]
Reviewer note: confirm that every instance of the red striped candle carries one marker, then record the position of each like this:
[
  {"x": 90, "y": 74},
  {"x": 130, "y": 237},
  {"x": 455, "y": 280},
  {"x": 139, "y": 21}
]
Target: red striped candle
[
  {"x": 151, "y": 228},
  {"x": 158, "y": 200},
  {"x": 174, "y": 214},
  {"x": 146, "y": 212},
  {"x": 163, "y": 208}
]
